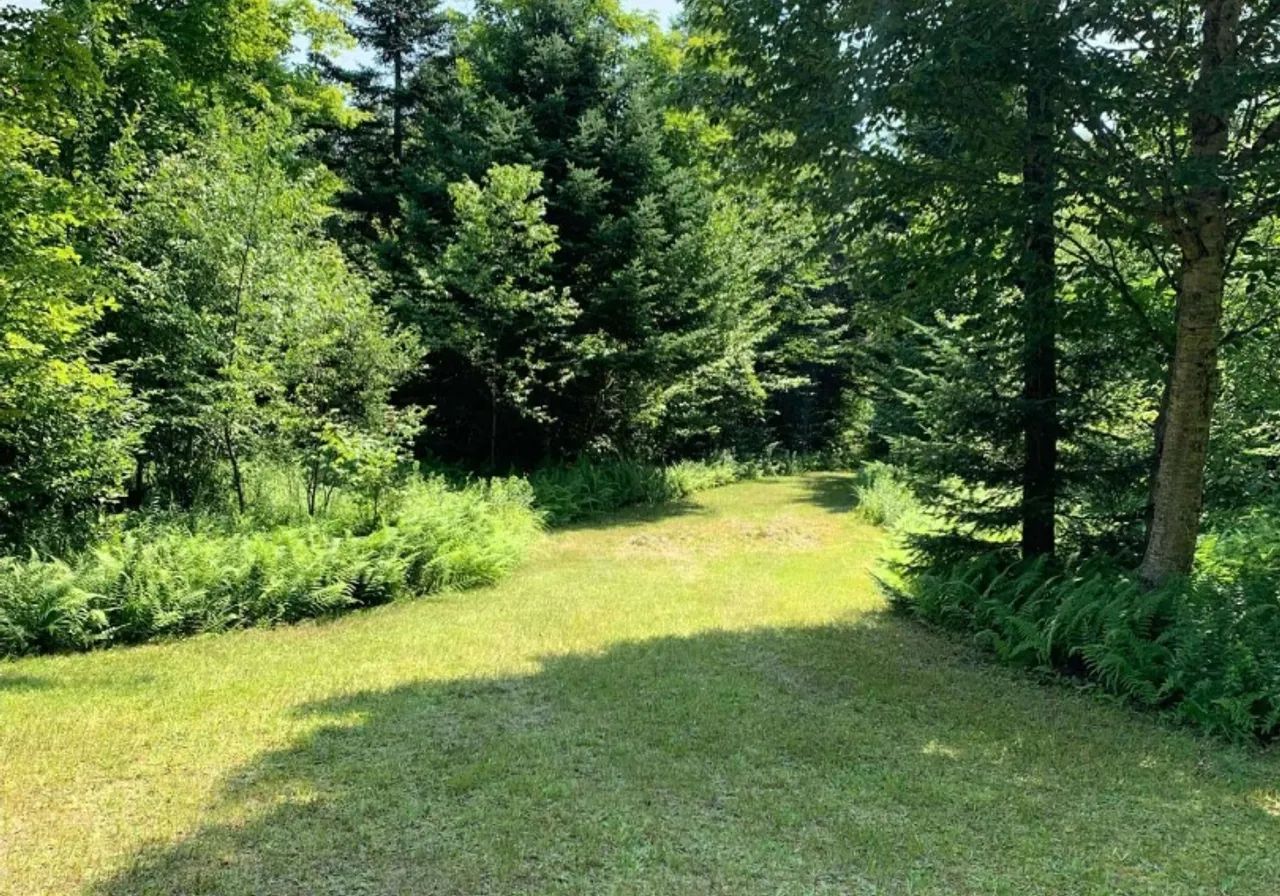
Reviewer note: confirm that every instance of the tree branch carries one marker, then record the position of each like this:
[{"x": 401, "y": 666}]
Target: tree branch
[
  {"x": 1237, "y": 334},
  {"x": 1253, "y": 28},
  {"x": 1111, "y": 273},
  {"x": 1270, "y": 134}
]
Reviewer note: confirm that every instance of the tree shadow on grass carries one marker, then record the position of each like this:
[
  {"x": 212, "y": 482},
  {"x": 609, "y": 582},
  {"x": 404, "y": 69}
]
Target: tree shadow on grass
[
  {"x": 10, "y": 682},
  {"x": 831, "y": 491},
  {"x": 637, "y": 515},
  {"x": 833, "y": 760}
]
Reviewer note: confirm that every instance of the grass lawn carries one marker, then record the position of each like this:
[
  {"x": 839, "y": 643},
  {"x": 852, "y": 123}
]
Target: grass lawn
[{"x": 706, "y": 699}]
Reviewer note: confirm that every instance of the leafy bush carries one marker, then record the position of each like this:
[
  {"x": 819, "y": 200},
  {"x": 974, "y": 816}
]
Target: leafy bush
[
  {"x": 164, "y": 581},
  {"x": 66, "y": 421},
  {"x": 1207, "y": 650},
  {"x": 373, "y": 464}
]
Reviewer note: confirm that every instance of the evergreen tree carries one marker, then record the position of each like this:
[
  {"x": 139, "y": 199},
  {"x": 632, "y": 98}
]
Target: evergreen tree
[
  {"x": 950, "y": 113},
  {"x": 581, "y": 94},
  {"x": 403, "y": 39}
]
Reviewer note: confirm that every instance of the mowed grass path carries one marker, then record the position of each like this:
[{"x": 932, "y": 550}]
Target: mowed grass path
[{"x": 704, "y": 699}]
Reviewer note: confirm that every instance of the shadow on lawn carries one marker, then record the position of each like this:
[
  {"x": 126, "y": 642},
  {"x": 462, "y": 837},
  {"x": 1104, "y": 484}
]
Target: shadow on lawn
[
  {"x": 636, "y": 515},
  {"x": 830, "y": 491},
  {"x": 833, "y": 760},
  {"x": 22, "y": 682}
]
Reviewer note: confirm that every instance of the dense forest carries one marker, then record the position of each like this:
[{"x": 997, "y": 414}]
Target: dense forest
[{"x": 348, "y": 321}]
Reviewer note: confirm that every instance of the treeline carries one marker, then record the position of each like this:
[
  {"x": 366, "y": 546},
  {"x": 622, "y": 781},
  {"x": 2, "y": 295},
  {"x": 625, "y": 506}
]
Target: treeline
[
  {"x": 536, "y": 201},
  {"x": 507, "y": 239},
  {"x": 1062, "y": 221},
  {"x": 1025, "y": 252}
]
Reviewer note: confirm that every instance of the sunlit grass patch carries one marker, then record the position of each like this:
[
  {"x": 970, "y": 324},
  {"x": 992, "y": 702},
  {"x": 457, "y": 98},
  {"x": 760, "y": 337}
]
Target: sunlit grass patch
[{"x": 737, "y": 721}]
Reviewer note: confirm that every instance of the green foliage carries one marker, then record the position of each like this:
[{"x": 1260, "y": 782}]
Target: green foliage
[
  {"x": 502, "y": 314},
  {"x": 571, "y": 492},
  {"x": 136, "y": 79},
  {"x": 882, "y": 498},
  {"x": 953, "y": 421},
  {"x": 641, "y": 305},
  {"x": 1207, "y": 651},
  {"x": 65, "y": 420},
  {"x": 369, "y": 464},
  {"x": 568, "y": 493},
  {"x": 160, "y": 582},
  {"x": 239, "y": 322},
  {"x": 941, "y": 136},
  {"x": 100, "y": 104}
]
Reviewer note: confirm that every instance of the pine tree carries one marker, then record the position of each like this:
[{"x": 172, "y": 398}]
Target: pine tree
[{"x": 403, "y": 38}]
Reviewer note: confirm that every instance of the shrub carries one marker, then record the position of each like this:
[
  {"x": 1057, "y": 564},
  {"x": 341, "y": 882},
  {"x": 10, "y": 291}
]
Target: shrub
[
  {"x": 164, "y": 581},
  {"x": 43, "y": 608},
  {"x": 1207, "y": 650},
  {"x": 689, "y": 477},
  {"x": 882, "y": 498}
]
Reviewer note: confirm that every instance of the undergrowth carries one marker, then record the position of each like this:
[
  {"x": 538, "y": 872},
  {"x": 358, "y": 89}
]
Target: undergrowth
[
  {"x": 883, "y": 499},
  {"x": 571, "y": 492},
  {"x": 1206, "y": 651},
  {"x": 164, "y": 573},
  {"x": 161, "y": 580}
]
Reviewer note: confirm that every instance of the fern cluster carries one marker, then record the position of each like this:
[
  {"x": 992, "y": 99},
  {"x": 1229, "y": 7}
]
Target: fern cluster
[
  {"x": 151, "y": 583},
  {"x": 571, "y": 492},
  {"x": 568, "y": 493},
  {"x": 1207, "y": 650}
]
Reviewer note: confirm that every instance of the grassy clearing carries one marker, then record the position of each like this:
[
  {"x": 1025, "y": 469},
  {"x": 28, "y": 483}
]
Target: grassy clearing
[{"x": 701, "y": 698}]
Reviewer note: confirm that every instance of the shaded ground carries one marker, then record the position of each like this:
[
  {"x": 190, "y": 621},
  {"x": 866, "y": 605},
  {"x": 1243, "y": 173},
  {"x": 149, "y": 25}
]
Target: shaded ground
[{"x": 703, "y": 702}]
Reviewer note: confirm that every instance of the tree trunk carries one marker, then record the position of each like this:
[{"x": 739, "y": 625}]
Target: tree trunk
[
  {"x": 1201, "y": 233},
  {"x": 237, "y": 481},
  {"x": 137, "y": 493},
  {"x": 1040, "y": 327},
  {"x": 1153, "y": 469},
  {"x": 313, "y": 486},
  {"x": 1179, "y": 485},
  {"x": 493, "y": 428}
]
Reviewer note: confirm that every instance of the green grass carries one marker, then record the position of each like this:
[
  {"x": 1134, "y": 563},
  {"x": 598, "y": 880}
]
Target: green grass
[{"x": 704, "y": 698}]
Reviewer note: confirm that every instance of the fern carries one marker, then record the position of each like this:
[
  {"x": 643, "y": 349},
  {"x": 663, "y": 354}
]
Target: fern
[
  {"x": 1207, "y": 651},
  {"x": 167, "y": 581}
]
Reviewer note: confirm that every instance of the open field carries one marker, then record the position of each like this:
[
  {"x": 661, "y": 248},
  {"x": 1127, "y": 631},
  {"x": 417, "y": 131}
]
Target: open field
[{"x": 701, "y": 698}]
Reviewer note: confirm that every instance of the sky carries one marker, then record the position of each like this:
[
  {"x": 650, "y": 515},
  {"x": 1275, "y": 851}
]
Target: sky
[{"x": 664, "y": 8}]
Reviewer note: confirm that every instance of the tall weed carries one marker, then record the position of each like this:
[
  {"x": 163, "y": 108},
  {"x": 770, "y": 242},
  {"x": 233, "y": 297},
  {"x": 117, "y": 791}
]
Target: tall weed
[{"x": 882, "y": 499}]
